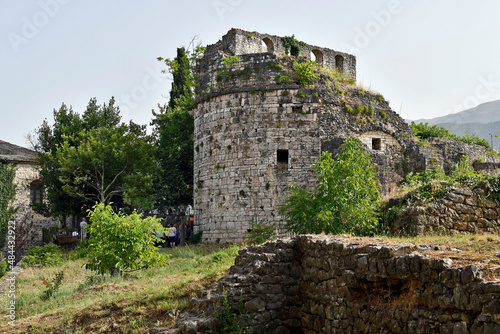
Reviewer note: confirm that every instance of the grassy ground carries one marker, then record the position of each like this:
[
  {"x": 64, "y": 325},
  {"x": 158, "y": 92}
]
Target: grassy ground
[
  {"x": 154, "y": 298},
  {"x": 130, "y": 304}
]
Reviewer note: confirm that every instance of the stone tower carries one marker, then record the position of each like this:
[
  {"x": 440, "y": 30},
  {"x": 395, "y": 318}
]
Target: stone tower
[{"x": 257, "y": 131}]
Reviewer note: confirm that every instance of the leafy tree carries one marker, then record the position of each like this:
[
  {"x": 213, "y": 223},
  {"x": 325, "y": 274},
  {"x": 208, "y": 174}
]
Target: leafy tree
[
  {"x": 121, "y": 243},
  {"x": 92, "y": 172},
  {"x": 182, "y": 77},
  {"x": 45, "y": 142},
  {"x": 345, "y": 197},
  {"x": 108, "y": 162},
  {"x": 7, "y": 196},
  {"x": 174, "y": 129}
]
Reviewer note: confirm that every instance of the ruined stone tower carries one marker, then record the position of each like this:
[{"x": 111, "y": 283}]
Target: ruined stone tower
[{"x": 257, "y": 131}]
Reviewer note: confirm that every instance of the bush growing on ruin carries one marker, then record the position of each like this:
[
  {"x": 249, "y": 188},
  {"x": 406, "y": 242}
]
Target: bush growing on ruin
[
  {"x": 344, "y": 199},
  {"x": 121, "y": 243},
  {"x": 306, "y": 72},
  {"x": 424, "y": 131}
]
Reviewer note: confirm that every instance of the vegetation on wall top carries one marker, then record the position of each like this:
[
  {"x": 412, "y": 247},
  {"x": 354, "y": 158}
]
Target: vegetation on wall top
[
  {"x": 292, "y": 45},
  {"x": 424, "y": 131}
]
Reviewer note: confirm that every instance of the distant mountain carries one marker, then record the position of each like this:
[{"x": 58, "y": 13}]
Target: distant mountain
[{"x": 481, "y": 120}]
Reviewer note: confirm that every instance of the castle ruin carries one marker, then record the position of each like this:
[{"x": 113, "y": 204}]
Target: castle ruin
[{"x": 257, "y": 131}]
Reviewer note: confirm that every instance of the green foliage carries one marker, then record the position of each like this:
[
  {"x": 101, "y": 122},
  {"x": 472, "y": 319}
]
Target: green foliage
[
  {"x": 53, "y": 286},
  {"x": 121, "y": 243},
  {"x": 108, "y": 162},
  {"x": 219, "y": 256},
  {"x": 432, "y": 184},
  {"x": 283, "y": 79},
  {"x": 301, "y": 95},
  {"x": 229, "y": 320},
  {"x": 3, "y": 267},
  {"x": 424, "y": 130},
  {"x": 292, "y": 45},
  {"x": 47, "y": 255},
  {"x": 173, "y": 128},
  {"x": 306, "y": 72},
  {"x": 7, "y": 196},
  {"x": 92, "y": 157},
  {"x": 338, "y": 76},
  {"x": 259, "y": 232},
  {"x": 345, "y": 198},
  {"x": 182, "y": 77},
  {"x": 45, "y": 142},
  {"x": 274, "y": 66},
  {"x": 229, "y": 61}
]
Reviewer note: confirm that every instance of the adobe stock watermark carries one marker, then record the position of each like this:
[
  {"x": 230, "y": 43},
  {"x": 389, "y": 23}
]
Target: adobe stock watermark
[
  {"x": 11, "y": 279},
  {"x": 151, "y": 81},
  {"x": 372, "y": 29},
  {"x": 31, "y": 26},
  {"x": 483, "y": 92},
  {"x": 224, "y": 6}
]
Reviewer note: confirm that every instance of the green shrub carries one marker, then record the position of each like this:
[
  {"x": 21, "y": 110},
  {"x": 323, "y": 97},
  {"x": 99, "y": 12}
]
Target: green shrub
[
  {"x": 345, "y": 197},
  {"x": 292, "y": 45},
  {"x": 301, "y": 95},
  {"x": 229, "y": 61},
  {"x": 47, "y": 255},
  {"x": 121, "y": 243},
  {"x": 306, "y": 72},
  {"x": 424, "y": 130},
  {"x": 283, "y": 79},
  {"x": 274, "y": 66},
  {"x": 259, "y": 233}
]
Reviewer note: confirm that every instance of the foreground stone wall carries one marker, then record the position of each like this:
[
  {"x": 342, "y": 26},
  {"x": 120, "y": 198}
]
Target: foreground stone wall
[
  {"x": 460, "y": 211},
  {"x": 348, "y": 285}
]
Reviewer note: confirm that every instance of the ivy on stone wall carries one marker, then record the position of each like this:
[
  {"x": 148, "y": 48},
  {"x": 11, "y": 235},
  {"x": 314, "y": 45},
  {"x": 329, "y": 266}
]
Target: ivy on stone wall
[
  {"x": 292, "y": 45},
  {"x": 7, "y": 195}
]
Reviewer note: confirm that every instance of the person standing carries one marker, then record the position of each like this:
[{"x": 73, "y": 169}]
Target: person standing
[
  {"x": 83, "y": 225},
  {"x": 172, "y": 232}
]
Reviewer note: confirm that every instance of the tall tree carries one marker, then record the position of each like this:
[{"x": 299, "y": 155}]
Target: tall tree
[
  {"x": 173, "y": 130},
  {"x": 182, "y": 77},
  {"x": 98, "y": 136},
  {"x": 108, "y": 162},
  {"x": 45, "y": 142}
]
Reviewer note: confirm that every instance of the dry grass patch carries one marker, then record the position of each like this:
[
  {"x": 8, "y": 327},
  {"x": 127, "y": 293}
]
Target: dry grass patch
[{"x": 132, "y": 303}]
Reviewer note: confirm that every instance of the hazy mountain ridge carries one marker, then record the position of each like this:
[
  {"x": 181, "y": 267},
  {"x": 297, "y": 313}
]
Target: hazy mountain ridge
[{"x": 480, "y": 120}]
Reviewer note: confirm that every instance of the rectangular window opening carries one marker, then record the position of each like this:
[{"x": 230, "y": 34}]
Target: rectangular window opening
[
  {"x": 282, "y": 158},
  {"x": 376, "y": 143}
]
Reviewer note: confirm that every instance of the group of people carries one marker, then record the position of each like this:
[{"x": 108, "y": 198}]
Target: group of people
[{"x": 173, "y": 237}]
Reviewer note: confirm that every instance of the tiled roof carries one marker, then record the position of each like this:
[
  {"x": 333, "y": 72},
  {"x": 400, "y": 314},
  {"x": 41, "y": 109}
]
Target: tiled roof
[{"x": 14, "y": 153}]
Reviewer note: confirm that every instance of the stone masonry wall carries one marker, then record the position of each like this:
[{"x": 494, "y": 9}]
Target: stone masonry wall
[
  {"x": 460, "y": 211},
  {"x": 253, "y": 139},
  {"x": 28, "y": 223},
  {"x": 257, "y": 131},
  {"x": 352, "y": 285}
]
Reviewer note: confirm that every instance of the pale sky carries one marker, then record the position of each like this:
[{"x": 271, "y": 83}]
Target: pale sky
[{"x": 428, "y": 58}]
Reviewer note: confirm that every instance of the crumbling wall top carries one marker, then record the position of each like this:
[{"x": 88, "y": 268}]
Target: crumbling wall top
[{"x": 240, "y": 42}]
